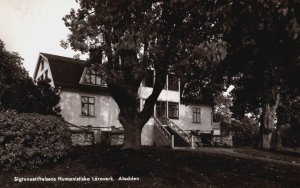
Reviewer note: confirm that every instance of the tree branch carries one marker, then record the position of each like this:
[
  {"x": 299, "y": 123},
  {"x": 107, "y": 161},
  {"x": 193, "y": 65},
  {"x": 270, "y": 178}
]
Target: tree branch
[{"x": 148, "y": 109}]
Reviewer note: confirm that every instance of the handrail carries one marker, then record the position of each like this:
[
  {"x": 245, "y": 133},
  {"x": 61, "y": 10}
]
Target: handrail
[
  {"x": 162, "y": 128},
  {"x": 184, "y": 135},
  {"x": 181, "y": 132},
  {"x": 187, "y": 137}
]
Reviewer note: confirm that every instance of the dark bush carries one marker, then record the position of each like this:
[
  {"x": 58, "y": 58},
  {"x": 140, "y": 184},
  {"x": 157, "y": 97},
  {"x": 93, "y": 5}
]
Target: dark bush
[
  {"x": 291, "y": 136},
  {"x": 31, "y": 140},
  {"x": 243, "y": 134}
]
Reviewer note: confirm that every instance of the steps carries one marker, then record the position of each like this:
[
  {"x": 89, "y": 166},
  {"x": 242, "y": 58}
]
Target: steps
[
  {"x": 181, "y": 138},
  {"x": 162, "y": 136},
  {"x": 178, "y": 140}
]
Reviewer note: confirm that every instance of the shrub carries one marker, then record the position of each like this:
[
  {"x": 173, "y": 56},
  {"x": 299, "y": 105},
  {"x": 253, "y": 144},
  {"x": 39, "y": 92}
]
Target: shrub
[
  {"x": 243, "y": 134},
  {"x": 31, "y": 140},
  {"x": 291, "y": 136}
]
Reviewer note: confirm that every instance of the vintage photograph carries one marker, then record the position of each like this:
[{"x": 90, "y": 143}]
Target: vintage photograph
[{"x": 149, "y": 93}]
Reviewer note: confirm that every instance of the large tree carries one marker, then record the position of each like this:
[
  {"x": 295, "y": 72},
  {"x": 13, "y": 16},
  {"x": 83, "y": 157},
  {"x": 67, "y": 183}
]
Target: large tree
[
  {"x": 17, "y": 90},
  {"x": 131, "y": 36},
  {"x": 262, "y": 59},
  {"x": 11, "y": 70}
]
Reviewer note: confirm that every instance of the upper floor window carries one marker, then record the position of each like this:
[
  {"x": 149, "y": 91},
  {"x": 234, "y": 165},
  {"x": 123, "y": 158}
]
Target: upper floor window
[
  {"x": 196, "y": 115},
  {"x": 172, "y": 82},
  {"x": 94, "y": 77},
  {"x": 173, "y": 111},
  {"x": 87, "y": 106}
]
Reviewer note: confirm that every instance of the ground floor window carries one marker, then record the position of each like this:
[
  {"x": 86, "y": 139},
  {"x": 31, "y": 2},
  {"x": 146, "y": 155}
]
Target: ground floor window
[
  {"x": 87, "y": 106},
  {"x": 173, "y": 111},
  {"x": 196, "y": 115},
  {"x": 161, "y": 109}
]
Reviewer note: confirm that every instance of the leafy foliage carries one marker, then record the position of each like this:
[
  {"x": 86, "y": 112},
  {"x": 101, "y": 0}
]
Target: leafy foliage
[
  {"x": 11, "y": 70},
  {"x": 31, "y": 140},
  {"x": 222, "y": 106},
  {"x": 17, "y": 90},
  {"x": 291, "y": 114},
  {"x": 263, "y": 50},
  {"x": 291, "y": 136},
  {"x": 244, "y": 133},
  {"x": 29, "y": 98},
  {"x": 46, "y": 99},
  {"x": 262, "y": 53},
  {"x": 129, "y": 37}
]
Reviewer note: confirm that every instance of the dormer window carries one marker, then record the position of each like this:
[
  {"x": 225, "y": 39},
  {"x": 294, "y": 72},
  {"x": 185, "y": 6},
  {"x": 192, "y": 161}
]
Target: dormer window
[{"x": 94, "y": 78}]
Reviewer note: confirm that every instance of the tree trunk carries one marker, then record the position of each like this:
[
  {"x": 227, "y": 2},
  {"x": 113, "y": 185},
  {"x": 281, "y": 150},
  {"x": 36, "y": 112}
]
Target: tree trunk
[
  {"x": 267, "y": 123},
  {"x": 124, "y": 90},
  {"x": 128, "y": 117},
  {"x": 133, "y": 123},
  {"x": 267, "y": 126},
  {"x": 132, "y": 136}
]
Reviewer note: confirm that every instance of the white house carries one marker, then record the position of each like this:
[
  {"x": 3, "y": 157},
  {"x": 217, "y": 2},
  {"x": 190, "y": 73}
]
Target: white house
[{"x": 86, "y": 102}]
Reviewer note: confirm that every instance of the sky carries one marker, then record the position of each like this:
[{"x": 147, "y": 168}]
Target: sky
[{"x": 33, "y": 26}]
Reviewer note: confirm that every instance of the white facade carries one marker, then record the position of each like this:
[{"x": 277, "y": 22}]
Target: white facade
[
  {"x": 106, "y": 110},
  {"x": 75, "y": 110}
]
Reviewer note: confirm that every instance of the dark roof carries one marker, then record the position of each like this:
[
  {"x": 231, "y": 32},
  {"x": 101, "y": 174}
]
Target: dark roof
[{"x": 66, "y": 72}]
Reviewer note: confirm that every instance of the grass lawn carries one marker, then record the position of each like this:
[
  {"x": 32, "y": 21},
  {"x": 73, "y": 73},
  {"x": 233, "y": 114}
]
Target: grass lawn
[
  {"x": 160, "y": 167},
  {"x": 283, "y": 154}
]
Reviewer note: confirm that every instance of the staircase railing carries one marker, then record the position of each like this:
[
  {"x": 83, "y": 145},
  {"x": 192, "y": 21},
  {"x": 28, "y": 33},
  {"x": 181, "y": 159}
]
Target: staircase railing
[
  {"x": 162, "y": 129},
  {"x": 185, "y": 136}
]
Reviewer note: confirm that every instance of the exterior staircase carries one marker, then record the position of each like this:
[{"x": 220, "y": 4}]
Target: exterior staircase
[
  {"x": 164, "y": 138},
  {"x": 180, "y": 137},
  {"x": 178, "y": 140}
]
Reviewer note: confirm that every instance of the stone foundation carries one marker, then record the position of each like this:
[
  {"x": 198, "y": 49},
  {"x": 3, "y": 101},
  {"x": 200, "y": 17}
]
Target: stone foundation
[
  {"x": 222, "y": 140},
  {"x": 82, "y": 138}
]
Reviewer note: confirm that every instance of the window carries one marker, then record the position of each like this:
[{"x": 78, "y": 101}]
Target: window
[
  {"x": 172, "y": 82},
  {"x": 87, "y": 106},
  {"x": 149, "y": 78},
  {"x": 173, "y": 111},
  {"x": 94, "y": 77},
  {"x": 196, "y": 115},
  {"x": 161, "y": 109}
]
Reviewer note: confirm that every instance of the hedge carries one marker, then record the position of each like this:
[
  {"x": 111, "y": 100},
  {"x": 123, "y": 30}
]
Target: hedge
[{"x": 31, "y": 140}]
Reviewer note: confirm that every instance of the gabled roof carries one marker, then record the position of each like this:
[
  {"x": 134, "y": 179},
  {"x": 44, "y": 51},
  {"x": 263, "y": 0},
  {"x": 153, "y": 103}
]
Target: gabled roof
[{"x": 66, "y": 72}]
